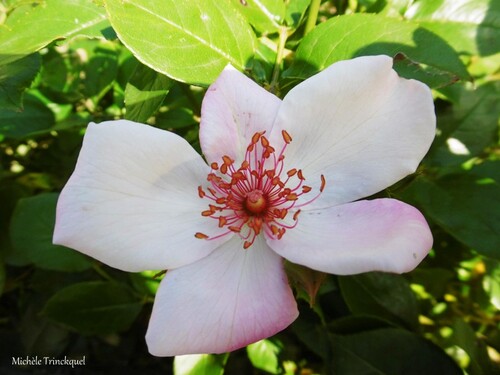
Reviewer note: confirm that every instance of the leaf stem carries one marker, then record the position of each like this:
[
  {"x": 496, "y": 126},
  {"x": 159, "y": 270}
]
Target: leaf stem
[
  {"x": 312, "y": 16},
  {"x": 283, "y": 35}
]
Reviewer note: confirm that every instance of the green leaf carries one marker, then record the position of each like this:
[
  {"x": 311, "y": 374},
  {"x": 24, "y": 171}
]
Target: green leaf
[
  {"x": 465, "y": 205},
  {"x": 200, "y": 364},
  {"x": 491, "y": 282},
  {"x": 295, "y": 11},
  {"x": 54, "y": 19},
  {"x": 465, "y": 337},
  {"x": 264, "y": 355},
  {"x": 100, "y": 71},
  {"x": 15, "y": 78},
  {"x": 95, "y": 307},
  {"x": 469, "y": 126},
  {"x": 190, "y": 42},
  {"x": 469, "y": 26},
  {"x": 31, "y": 230},
  {"x": 384, "y": 295},
  {"x": 35, "y": 117},
  {"x": 144, "y": 93},
  {"x": 346, "y": 37},
  {"x": 265, "y": 15},
  {"x": 176, "y": 118},
  {"x": 389, "y": 351}
]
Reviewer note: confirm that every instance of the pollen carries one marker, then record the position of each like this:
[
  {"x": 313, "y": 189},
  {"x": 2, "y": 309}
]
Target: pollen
[{"x": 257, "y": 196}]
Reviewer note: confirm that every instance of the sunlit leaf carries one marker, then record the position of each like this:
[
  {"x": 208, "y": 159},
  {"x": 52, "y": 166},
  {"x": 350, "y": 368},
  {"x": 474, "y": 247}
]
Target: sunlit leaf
[
  {"x": 144, "y": 93},
  {"x": 264, "y": 356},
  {"x": 345, "y": 37},
  {"x": 469, "y": 26},
  {"x": 200, "y": 364},
  {"x": 190, "y": 42},
  {"x": 265, "y": 15},
  {"x": 54, "y": 19}
]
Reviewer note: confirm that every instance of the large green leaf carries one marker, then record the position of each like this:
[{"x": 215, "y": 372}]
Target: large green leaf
[
  {"x": 187, "y": 41},
  {"x": 144, "y": 93},
  {"x": 469, "y": 26},
  {"x": 465, "y": 205},
  {"x": 31, "y": 27},
  {"x": 15, "y": 78},
  {"x": 31, "y": 230},
  {"x": 389, "y": 351},
  {"x": 94, "y": 307},
  {"x": 381, "y": 294},
  {"x": 345, "y": 37}
]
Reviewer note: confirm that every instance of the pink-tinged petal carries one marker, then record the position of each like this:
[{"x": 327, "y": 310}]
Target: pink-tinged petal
[
  {"x": 376, "y": 235},
  {"x": 223, "y": 302},
  {"x": 359, "y": 124},
  {"x": 234, "y": 109},
  {"x": 132, "y": 201}
]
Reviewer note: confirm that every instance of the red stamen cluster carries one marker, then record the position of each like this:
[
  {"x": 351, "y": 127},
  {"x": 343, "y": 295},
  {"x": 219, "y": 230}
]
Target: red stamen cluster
[{"x": 255, "y": 197}]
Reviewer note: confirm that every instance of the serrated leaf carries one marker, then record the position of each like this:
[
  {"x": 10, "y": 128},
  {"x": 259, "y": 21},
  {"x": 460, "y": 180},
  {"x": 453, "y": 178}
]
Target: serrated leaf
[
  {"x": 144, "y": 93},
  {"x": 54, "y": 19},
  {"x": 31, "y": 230},
  {"x": 187, "y": 41},
  {"x": 346, "y": 37},
  {"x": 197, "y": 364},
  {"x": 380, "y": 294},
  {"x": 469, "y": 26},
  {"x": 15, "y": 78},
  {"x": 94, "y": 307}
]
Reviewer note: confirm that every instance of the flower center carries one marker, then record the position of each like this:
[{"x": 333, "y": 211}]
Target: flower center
[
  {"x": 258, "y": 195},
  {"x": 255, "y": 202}
]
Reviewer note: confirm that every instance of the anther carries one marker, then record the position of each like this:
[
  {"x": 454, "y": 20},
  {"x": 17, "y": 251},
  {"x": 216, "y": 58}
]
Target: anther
[
  {"x": 323, "y": 183},
  {"x": 201, "y": 193},
  {"x": 201, "y": 236},
  {"x": 286, "y": 137}
]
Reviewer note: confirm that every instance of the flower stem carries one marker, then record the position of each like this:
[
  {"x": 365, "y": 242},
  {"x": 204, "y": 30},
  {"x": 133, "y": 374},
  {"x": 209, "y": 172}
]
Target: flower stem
[
  {"x": 312, "y": 16},
  {"x": 283, "y": 35}
]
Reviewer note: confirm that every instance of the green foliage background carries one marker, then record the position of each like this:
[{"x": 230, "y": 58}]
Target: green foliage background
[{"x": 65, "y": 63}]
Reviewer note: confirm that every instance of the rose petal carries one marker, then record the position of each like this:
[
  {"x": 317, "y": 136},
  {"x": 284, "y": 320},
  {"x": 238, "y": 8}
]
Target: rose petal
[
  {"x": 376, "y": 235},
  {"x": 223, "y": 302},
  {"x": 233, "y": 110},
  {"x": 358, "y": 124},
  {"x": 132, "y": 201}
]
